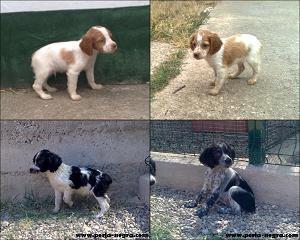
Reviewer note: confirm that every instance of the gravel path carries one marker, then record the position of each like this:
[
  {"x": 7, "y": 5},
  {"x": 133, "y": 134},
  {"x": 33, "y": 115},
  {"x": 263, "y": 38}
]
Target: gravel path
[
  {"x": 276, "y": 93},
  {"x": 160, "y": 53},
  {"x": 35, "y": 221},
  {"x": 167, "y": 211}
]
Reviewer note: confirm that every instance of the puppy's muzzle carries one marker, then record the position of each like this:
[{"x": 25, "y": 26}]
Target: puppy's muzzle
[
  {"x": 34, "y": 169},
  {"x": 197, "y": 56}
]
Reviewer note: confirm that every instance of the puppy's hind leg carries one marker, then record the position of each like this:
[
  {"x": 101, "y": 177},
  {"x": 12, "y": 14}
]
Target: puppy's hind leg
[
  {"x": 40, "y": 79},
  {"x": 58, "y": 201},
  {"x": 255, "y": 65},
  {"x": 240, "y": 199},
  {"x": 104, "y": 205},
  {"x": 241, "y": 68}
]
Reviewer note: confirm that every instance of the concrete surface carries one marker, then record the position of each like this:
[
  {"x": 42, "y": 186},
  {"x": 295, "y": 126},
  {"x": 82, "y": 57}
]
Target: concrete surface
[
  {"x": 276, "y": 94},
  {"x": 271, "y": 184},
  {"x": 117, "y": 147},
  {"x": 111, "y": 102}
]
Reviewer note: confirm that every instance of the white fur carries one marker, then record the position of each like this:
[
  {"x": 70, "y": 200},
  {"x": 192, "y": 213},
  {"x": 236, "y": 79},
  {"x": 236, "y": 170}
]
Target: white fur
[{"x": 47, "y": 61}]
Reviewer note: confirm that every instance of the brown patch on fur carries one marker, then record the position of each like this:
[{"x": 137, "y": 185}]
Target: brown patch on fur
[
  {"x": 93, "y": 39},
  {"x": 233, "y": 50},
  {"x": 214, "y": 42},
  {"x": 193, "y": 41},
  {"x": 67, "y": 56}
]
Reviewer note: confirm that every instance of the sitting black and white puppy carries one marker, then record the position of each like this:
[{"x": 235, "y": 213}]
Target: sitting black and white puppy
[
  {"x": 67, "y": 180},
  {"x": 223, "y": 185}
]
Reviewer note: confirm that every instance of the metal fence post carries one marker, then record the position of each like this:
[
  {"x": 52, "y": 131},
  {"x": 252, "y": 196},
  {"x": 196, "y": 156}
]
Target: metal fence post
[{"x": 256, "y": 141}]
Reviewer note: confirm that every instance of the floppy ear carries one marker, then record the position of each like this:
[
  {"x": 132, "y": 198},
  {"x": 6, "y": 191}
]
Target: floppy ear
[
  {"x": 193, "y": 41},
  {"x": 231, "y": 151},
  {"x": 107, "y": 179},
  {"x": 86, "y": 44},
  {"x": 215, "y": 43},
  {"x": 54, "y": 162},
  {"x": 206, "y": 158}
]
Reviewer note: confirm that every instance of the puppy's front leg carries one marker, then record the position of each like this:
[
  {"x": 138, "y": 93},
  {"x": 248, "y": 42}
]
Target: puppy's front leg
[
  {"x": 58, "y": 200},
  {"x": 195, "y": 202},
  {"x": 68, "y": 198},
  {"x": 72, "y": 85},
  {"x": 209, "y": 203},
  {"x": 219, "y": 82},
  {"x": 91, "y": 79},
  {"x": 213, "y": 83}
]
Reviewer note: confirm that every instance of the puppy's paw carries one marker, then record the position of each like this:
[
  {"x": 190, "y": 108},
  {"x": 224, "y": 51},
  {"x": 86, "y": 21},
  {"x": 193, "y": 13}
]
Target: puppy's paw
[
  {"x": 252, "y": 81},
  {"x": 213, "y": 92},
  {"x": 76, "y": 97},
  {"x": 100, "y": 215},
  {"x": 46, "y": 96},
  {"x": 55, "y": 210},
  {"x": 201, "y": 212},
  {"x": 97, "y": 87},
  {"x": 70, "y": 203},
  {"x": 191, "y": 204}
]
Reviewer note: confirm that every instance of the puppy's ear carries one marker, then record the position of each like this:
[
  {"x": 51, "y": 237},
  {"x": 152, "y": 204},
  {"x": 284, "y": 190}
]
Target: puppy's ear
[
  {"x": 54, "y": 162},
  {"x": 86, "y": 43},
  {"x": 231, "y": 152},
  {"x": 193, "y": 41},
  {"x": 206, "y": 158},
  {"x": 106, "y": 179},
  {"x": 215, "y": 43}
]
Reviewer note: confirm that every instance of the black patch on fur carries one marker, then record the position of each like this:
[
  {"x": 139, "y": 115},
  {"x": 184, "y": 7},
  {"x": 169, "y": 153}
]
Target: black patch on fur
[
  {"x": 152, "y": 166},
  {"x": 245, "y": 199},
  {"x": 228, "y": 150},
  {"x": 47, "y": 161},
  {"x": 102, "y": 185},
  {"x": 237, "y": 180},
  {"x": 78, "y": 179}
]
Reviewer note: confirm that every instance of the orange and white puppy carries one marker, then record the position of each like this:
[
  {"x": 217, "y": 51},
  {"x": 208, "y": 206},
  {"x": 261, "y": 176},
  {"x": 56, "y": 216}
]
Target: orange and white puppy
[
  {"x": 71, "y": 57},
  {"x": 223, "y": 53}
]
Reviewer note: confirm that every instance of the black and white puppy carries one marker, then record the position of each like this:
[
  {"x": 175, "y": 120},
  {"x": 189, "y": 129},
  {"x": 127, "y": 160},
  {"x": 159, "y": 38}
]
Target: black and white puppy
[
  {"x": 67, "y": 180},
  {"x": 223, "y": 185}
]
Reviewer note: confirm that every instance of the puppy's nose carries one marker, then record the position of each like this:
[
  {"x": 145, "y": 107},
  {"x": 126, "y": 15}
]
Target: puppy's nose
[
  {"x": 114, "y": 46},
  {"x": 196, "y": 55}
]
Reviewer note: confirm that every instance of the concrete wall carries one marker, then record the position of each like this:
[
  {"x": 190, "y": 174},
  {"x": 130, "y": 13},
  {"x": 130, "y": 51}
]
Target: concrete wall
[
  {"x": 117, "y": 147},
  {"x": 272, "y": 184}
]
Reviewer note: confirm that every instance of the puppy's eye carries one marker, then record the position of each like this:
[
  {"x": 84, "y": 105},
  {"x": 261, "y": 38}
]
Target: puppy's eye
[{"x": 205, "y": 45}]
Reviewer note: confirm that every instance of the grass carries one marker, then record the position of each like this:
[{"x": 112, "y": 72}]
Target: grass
[
  {"x": 174, "y": 21},
  {"x": 163, "y": 230},
  {"x": 166, "y": 71}
]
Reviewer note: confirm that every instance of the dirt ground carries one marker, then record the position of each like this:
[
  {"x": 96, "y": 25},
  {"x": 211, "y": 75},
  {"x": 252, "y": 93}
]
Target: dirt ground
[
  {"x": 111, "y": 102},
  {"x": 276, "y": 94}
]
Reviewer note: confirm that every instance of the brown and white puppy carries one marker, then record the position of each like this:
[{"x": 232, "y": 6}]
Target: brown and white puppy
[
  {"x": 71, "y": 57},
  {"x": 224, "y": 53}
]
